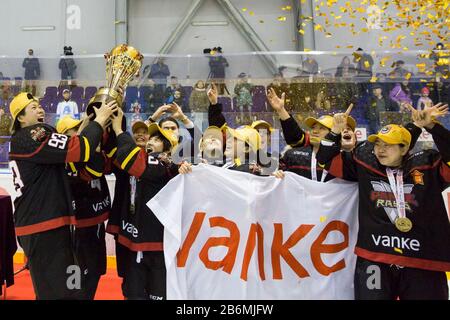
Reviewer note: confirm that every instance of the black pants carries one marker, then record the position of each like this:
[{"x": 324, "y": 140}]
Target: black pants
[
  {"x": 51, "y": 261},
  {"x": 145, "y": 280},
  {"x": 123, "y": 257},
  {"x": 380, "y": 281},
  {"x": 90, "y": 252}
]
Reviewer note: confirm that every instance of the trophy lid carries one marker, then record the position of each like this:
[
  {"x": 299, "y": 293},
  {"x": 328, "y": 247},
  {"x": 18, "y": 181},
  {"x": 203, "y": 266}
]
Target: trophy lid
[{"x": 127, "y": 50}]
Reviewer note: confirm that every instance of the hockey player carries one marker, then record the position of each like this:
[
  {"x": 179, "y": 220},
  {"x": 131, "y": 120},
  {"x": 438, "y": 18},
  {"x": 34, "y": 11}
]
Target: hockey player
[
  {"x": 404, "y": 231},
  {"x": 121, "y": 205},
  {"x": 92, "y": 204},
  {"x": 43, "y": 207},
  {"x": 140, "y": 231},
  {"x": 265, "y": 161}
]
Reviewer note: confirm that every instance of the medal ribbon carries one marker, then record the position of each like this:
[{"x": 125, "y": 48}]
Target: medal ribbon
[
  {"x": 314, "y": 169},
  {"x": 397, "y": 190}
]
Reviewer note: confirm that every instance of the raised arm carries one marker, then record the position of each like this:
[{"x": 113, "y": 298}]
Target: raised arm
[{"x": 293, "y": 134}]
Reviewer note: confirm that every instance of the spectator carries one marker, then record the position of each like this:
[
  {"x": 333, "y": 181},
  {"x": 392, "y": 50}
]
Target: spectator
[
  {"x": 345, "y": 69},
  {"x": 159, "y": 72},
  {"x": 5, "y": 96},
  {"x": 401, "y": 94},
  {"x": 198, "y": 103},
  {"x": 217, "y": 65},
  {"x": 243, "y": 91},
  {"x": 424, "y": 99},
  {"x": 377, "y": 103},
  {"x": 5, "y": 125},
  {"x": 364, "y": 63},
  {"x": 175, "y": 93},
  {"x": 67, "y": 66},
  {"x": 399, "y": 70},
  {"x": 170, "y": 90},
  {"x": 178, "y": 98},
  {"x": 310, "y": 67},
  {"x": 441, "y": 58},
  {"x": 153, "y": 96},
  {"x": 136, "y": 109},
  {"x": 31, "y": 65},
  {"x": 67, "y": 107}
]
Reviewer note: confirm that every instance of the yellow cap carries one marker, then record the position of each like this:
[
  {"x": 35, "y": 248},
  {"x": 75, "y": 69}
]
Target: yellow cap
[
  {"x": 392, "y": 134},
  {"x": 66, "y": 123},
  {"x": 168, "y": 134},
  {"x": 137, "y": 125},
  {"x": 20, "y": 102},
  {"x": 214, "y": 131},
  {"x": 327, "y": 121},
  {"x": 263, "y": 124},
  {"x": 248, "y": 135}
]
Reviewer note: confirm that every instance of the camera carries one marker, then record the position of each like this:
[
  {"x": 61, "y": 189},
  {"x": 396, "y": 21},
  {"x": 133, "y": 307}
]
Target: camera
[
  {"x": 214, "y": 50},
  {"x": 68, "y": 51}
]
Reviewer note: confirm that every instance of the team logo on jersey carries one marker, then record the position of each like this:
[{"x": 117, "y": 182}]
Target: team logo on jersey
[
  {"x": 383, "y": 197},
  {"x": 38, "y": 134},
  {"x": 417, "y": 177}
]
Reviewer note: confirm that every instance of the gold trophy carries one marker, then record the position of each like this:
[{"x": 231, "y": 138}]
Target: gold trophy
[{"x": 122, "y": 65}]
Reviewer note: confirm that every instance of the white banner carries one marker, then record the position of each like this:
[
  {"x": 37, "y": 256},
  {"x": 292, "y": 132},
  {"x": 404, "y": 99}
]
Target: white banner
[{"x": 233, "y": 235}]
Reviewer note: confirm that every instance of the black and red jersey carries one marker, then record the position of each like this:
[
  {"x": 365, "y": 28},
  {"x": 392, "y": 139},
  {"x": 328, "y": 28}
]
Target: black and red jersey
[
  {"x": 139, "y": 229},
  {"x": 37, "y": 158},
  {"x": 92, "y": 201},
  {"x": 425, "y": 174}
]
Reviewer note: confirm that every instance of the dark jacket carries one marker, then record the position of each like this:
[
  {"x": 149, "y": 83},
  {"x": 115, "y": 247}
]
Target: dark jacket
[{"x": 38, "y": 156}]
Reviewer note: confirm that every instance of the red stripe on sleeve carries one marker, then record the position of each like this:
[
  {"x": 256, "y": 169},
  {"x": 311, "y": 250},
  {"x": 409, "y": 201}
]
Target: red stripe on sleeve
[
  {"x": 139, "y": 165},
  {"x": 307, "y": 141},
  {"x": 74, "y": 150},
  {"x": 445, "y": 172}
]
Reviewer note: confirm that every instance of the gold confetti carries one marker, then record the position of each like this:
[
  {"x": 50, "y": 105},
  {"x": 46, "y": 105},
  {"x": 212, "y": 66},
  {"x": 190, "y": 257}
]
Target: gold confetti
[
  {"x": 367, "y": 64},
  {"x": 383, "y": 60},
  {"x": 398, "y": 250},
  {"x": 251, "y": 13},
  {"x": 323, "y": 218},
  {"x": 306, "y": 49},
  {"x": 281, "y": 18},
  {"x": 328, "y": 35},
  {"x": 373, "y": 79},
  {"x": 301, "y": 31},
  {"x": 244, "y": 9},
  {"x": 408, "y": 76}
]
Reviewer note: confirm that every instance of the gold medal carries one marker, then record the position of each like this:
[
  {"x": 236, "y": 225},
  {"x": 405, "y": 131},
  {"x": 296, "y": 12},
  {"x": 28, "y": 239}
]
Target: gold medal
[{"x": 403, "y": 224}]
